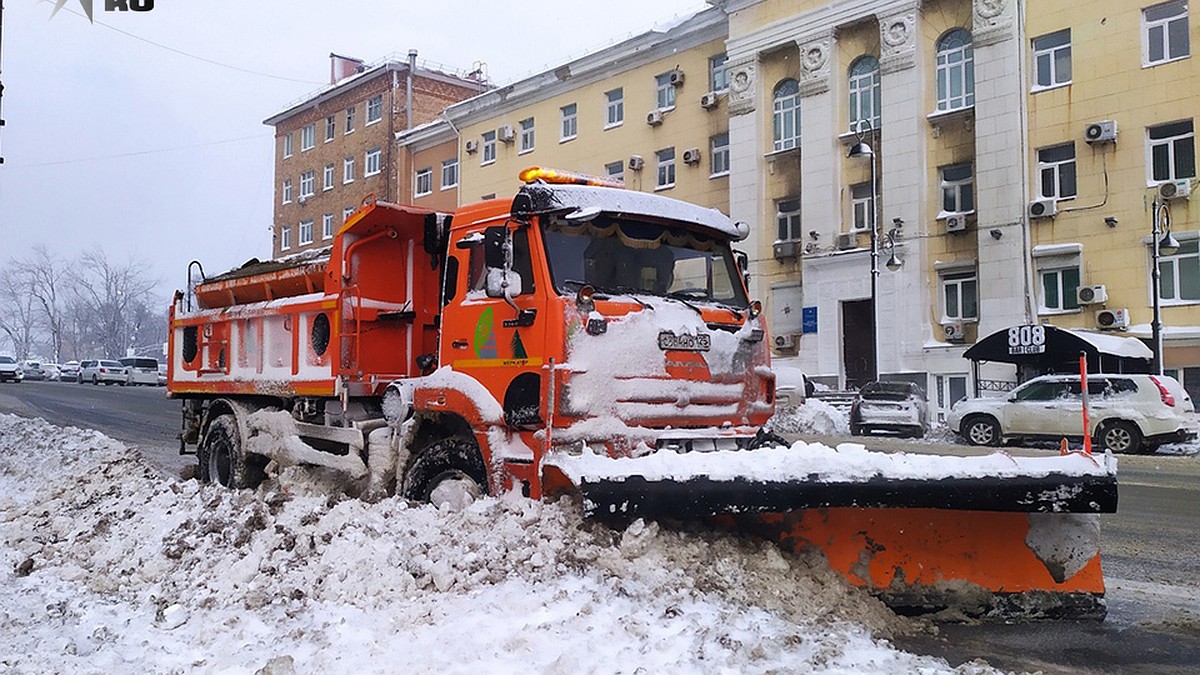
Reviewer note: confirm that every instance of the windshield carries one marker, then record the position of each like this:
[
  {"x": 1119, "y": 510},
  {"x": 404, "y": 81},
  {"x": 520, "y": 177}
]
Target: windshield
[{"x": 617, "y": 255}]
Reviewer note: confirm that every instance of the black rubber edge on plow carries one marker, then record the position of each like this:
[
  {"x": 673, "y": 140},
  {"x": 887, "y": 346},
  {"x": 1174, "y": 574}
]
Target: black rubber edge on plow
[{"x": 635, "y": 496}]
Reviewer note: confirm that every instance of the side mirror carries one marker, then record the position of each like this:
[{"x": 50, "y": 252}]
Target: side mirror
[{"x": 500, "y": 280}]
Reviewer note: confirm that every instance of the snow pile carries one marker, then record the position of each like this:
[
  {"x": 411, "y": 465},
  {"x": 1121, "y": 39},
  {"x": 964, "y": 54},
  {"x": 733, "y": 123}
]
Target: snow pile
[
  {"x": 814, "y": 417},
  {"x": 108, "y": 567}
]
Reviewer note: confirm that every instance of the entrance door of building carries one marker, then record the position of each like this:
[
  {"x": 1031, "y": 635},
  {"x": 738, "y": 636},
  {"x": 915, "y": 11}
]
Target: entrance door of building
[{"x": 858, "y": 342}]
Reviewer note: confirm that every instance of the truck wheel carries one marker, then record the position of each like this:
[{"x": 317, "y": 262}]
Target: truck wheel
[
  {"x": 981, "y": 430},
  {"x": 449, "y": 471},
  {"x": 1119, "y": 436},
  {"x": 222, "y": 460}
]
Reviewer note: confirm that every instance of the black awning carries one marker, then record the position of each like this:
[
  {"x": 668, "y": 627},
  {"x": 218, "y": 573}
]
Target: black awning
[{"x": 1050, "y": 349}]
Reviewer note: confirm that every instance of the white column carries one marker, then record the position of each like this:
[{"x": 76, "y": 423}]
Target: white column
[{"x": 746, "y": 167}]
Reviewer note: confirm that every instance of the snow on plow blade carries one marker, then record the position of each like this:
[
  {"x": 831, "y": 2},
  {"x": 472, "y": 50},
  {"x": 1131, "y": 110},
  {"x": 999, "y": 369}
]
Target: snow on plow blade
[{"x": 1005, "y": 537}]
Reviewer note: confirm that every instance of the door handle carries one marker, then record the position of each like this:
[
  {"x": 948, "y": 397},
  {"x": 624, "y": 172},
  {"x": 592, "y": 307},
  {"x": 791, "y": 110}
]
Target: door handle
[{"x": 460, "y": 344}]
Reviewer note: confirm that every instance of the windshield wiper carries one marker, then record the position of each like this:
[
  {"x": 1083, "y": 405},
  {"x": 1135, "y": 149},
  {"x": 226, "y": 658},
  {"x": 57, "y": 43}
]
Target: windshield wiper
[
  {"x": 609, "y": 290},
  {"x": 682, "y": 296}
]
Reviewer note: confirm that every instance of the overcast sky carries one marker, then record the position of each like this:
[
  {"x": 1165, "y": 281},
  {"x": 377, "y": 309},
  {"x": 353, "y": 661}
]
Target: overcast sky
[{"x": 116, "y": 139}]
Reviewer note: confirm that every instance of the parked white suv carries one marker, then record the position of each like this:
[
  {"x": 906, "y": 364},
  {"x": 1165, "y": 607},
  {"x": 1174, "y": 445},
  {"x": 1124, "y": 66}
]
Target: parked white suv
[{"x": 1126, "y": 413}]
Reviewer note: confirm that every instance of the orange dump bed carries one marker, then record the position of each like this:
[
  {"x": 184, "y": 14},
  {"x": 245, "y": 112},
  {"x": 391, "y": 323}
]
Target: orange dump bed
[{"x": 260, "y": 281}]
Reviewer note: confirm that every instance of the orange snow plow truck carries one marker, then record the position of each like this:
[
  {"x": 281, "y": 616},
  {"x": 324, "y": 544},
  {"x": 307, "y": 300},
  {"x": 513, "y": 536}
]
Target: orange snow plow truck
[{"x": 587, "y": 340}]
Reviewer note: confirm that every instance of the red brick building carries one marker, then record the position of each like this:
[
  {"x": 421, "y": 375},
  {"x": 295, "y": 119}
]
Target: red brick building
[{"x": 336, "y": 147}]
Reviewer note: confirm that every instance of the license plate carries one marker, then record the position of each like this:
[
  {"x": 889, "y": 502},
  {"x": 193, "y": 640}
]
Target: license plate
[{"x": 685, "y": 342}]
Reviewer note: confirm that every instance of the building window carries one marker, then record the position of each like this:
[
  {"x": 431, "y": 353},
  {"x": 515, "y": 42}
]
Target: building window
[
  {"x": 719, "y": 152},
  {"x": 287, "y": 191},
  {"x": 307, "y": 184},
  {"x": 424, "y": 182},
  {"x": 664, "y": 91},
  {"x": 960, "y": 296},
  {"x": 864, "y": 92},
  {"x": 570, "y": 122},
  {"x": 526, "y": 135},
  {"x": 1060, "y": 289},
  {"x": 308, "y": 137},
  {"x": 1179, "y": 274},
  {"x": 718, "y": 76},
  {"x": 666, "y": 168},
  {"x": 1052, "y": 59},
  {"x": 786, "y": 118},
  {"x": 449, "y": 173},
  {"x": 614, "y": 108},
  {"x": 327, "y": 226},
  {"x": 955, "y": 71},
  {"x": 306, "y": 232},
  {"x": 489, "y": 147},
  {"x": 330, "y": 128},
  {"x": 1172, "y": 151},
  {"x": 1165, "y": 32},
  {"x": 350, "y": 120},
  {"x": 958, "y": 189},
  {"x": 285, "y": 238},
  {"x": 371, "y": 163},
  {"x": 348, "y": 170},
  {"x": 615, "y": 170},
  {"x": 346, "y": 213},
  {"x": 862, "y": 206},
  {"x": 1056, "y": 172},
  {"x": 287, "y": 146},
  {"x": 375, "y": 109},
  {"x": 787, "y": 219},
  {"x": 329, "y": 176}
]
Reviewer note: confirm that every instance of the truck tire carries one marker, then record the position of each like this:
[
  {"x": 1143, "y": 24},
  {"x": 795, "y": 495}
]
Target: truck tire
[
  {"x": 222, "y": 460},
  {"x": 1119, "y": 436},
  {"x": 981, "y": 430},
  {"x": 447, "y": 470}
]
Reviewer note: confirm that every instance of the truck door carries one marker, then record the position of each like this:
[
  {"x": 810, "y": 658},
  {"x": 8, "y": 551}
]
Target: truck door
[{"x": 491, "y": 329}]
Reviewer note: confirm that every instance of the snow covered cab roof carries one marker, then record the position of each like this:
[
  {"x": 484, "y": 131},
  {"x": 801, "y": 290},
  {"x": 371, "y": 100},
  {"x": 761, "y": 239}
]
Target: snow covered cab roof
[{"x": 538, "y": 198}]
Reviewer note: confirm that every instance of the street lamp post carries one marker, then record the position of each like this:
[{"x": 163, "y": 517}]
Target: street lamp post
[
  {"x": 862, "y": 149},
  {"x": 1163, "y": 244}
]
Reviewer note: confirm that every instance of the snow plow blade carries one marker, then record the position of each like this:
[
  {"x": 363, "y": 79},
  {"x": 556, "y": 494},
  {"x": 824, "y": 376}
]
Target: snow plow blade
[{"x": 995, "y": 537}]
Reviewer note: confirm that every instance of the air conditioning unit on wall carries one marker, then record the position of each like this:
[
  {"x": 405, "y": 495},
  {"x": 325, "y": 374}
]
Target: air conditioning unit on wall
[
  {"x": 786, "y": 250},
  {"x": 956, "y": 222},
  {"x": 654, "y": 118},
  {"x": 1092, "y": 295},
  {"x": 1176, "y": 189},
  {"x": 505, "y": 133},
  {"x": 1104, "y": 131},
  {"x": 676, "y": 78},
  {"x": 786, "y": 342},
  {"x": 472, "y": 146},
  {"x": 953, "y": 331},
  {"x": 691, "y": 156},
  {"x": 708, "y": 101},
  {"x": 1043, "y": 208},
  {"x": 636, "y": 162},
  {"x": 1112, "y": 319}
]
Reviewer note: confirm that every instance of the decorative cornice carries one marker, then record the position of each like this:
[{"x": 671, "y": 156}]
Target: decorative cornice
[
  {"x": 743, "y": 84},
  {"x": 993, "y": 22},
  {"x": 814, "y": 64},
  {"x": 898, "y": 40},
  {"x": 817, "y": 21}
]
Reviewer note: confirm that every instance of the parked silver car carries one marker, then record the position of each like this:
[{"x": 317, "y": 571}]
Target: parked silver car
[
  {"x": 97, "y": 371},
  {"x": 10, "y": 370},
  {"x": 898, "y": 407},
  {"x": 140, "y": 370}
]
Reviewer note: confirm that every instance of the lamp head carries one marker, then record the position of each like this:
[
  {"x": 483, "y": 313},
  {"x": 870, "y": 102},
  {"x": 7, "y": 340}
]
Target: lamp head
[
  {"x": 893, "y": 263},
  {"x": 860, "y": 149},
  {"x": 1168, "y": 245}
]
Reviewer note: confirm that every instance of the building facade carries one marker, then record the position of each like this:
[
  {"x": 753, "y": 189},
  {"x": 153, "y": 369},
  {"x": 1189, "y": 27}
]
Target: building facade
[{"x": 336, "y": 147}]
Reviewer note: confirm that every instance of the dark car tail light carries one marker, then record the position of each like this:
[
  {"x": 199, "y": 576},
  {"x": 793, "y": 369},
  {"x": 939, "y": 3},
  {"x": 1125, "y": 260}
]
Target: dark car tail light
[{"x": 1166, "y": 396}]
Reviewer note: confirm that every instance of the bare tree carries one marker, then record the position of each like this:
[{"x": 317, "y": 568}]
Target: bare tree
[
  {"x": 18, "y": 315},
  {"x": 46, "y": 280},
  {"x": 113, "y": 298}
]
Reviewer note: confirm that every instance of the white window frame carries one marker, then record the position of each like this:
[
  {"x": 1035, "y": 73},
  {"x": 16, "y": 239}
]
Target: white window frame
[
  {"x": 614, "y": 108},
  {"x": 308, "y": 137},
  {"x": 528, "y": 129},
  {"x": 1171, "y": 145},
  {"x": 287, "y": 190},
  {"x": 285, "y": 237},
  {"x": 570, "y": 122},
  {"x": 374, "y": 109},
  {"x": 785, "y": 116},
  {"x": 449, "y": 173},
  {"x": 330, "y": 128},
  {"x": 347, "y": 170},
  {"x": 954, "y": 280},
  {"x": 1054, "y": 54},
  {"x": 943, "y": 384},
  {"x": 346, "y": 213},
  {"x": 489, "y": 148},
  {"x": 862, "y": 207},
  {"x": 865, "y": 91},
  {"x": 787, "y": 219},
  {"x": 327, "y": 226},
  {"x": 306, "y": 232},
  {"x": 718, "y": 153},
  {"x": 372, "y": 162},
  {"x": 963, "y": 190},
  {"x": 615, "y": 170},
  {"x": 423, "y": 182},
  {"x": 665, "y": 173},
  {"x": 1053, "y": 173},
  {"x": 1068, "y": 298},
  {"x": 308, "y": 184},
  {"x": 329, "y": 176},
  {"x": 1163, "y": 26},
  {"x": 349, "y": 120},
  {"x": 955, "y": 59},
  {"x": 1172, "y": 267},
  {"x": 288, "y": 145},
  {"x": 718, "y": 74},
  {"x": 664, "y": 91}
]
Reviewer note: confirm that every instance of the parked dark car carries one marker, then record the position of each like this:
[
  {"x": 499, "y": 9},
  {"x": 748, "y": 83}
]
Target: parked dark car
[{"x": 889, "y": 406}]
